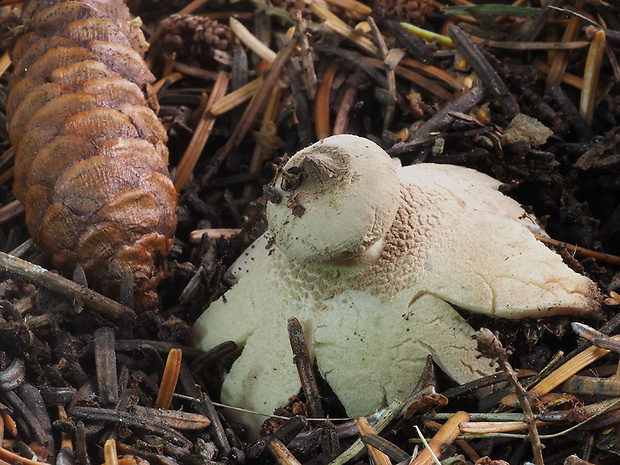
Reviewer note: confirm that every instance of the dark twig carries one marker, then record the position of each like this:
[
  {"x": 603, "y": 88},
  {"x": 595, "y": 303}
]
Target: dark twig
[
  {"x": 442, "y": 118},
  {"x": 80, "y": 295},
  {"x": 341, "y": 122},
  {"x": 309, "y": 73},
  {"x": 595, "y": 337},
  {"x": 490, "y": 346},
  {"x": 304, "y": 126},
  {"x": 492, "y": 82},
  {"x": 81, "y": 454},
  {"x": 301, "y": 358},
  {"x": 205, "y": 407},
  {"x": 387, "y": 447},
  {"x": 472, "y": 386},
  {"x": 285, "y": 434}
]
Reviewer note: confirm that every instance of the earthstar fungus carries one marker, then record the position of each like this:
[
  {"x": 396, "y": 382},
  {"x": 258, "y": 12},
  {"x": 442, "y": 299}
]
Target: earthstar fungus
[{"x": 371, "y": 258}]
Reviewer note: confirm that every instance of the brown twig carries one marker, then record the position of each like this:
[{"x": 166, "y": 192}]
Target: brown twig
[
  {"x": 600, "y": 256},
  {"x": 341, "y": 122},
  {"x": 302, "y": 360},
  {"x": 491, "y": 347},
  {"x": 389, "y": 66},
  {"x": 177, "y": 419},
  {"x": 309, "y": 74},
  {"x": 443, "y": 117},
  {"x": 80, "y": 295}
]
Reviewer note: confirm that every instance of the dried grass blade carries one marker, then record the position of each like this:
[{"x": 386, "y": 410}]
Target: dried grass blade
[
  {"x": 491, "y": 427},
  {"x": 5, "y": 62},
  {"x": 236, "y": 97},
  {"x": 356, "y": 9},
  {"x": 438, "y": 73}
]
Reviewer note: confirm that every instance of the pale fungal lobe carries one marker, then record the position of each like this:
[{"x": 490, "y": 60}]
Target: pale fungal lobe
[{"x": 371, "y": 258}]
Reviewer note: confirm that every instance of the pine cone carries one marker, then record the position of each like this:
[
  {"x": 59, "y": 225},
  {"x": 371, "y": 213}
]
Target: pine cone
[
  {"x": 410, "y": 11},
  {"x": 196, "y": 36}
]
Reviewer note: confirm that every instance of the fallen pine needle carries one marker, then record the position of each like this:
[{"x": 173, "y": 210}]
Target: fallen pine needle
[
  {"x": 446, "y": 435},
  {"x": 109, "y": 452},
  {"x": 251, "y": 41},
  {"x": 364, "y": 428},
  {"x": 591, "y": 75},
  {"x": 169, "y": 379},
  {"x": 201, "y": 134}
]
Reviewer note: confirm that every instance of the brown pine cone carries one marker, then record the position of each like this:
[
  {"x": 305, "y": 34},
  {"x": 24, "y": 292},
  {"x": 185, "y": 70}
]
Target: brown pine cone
[
  {"x": 410, "y": 11},
  {"x": 196, "y": 36},
  {"x": 90, "y": 153}
]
